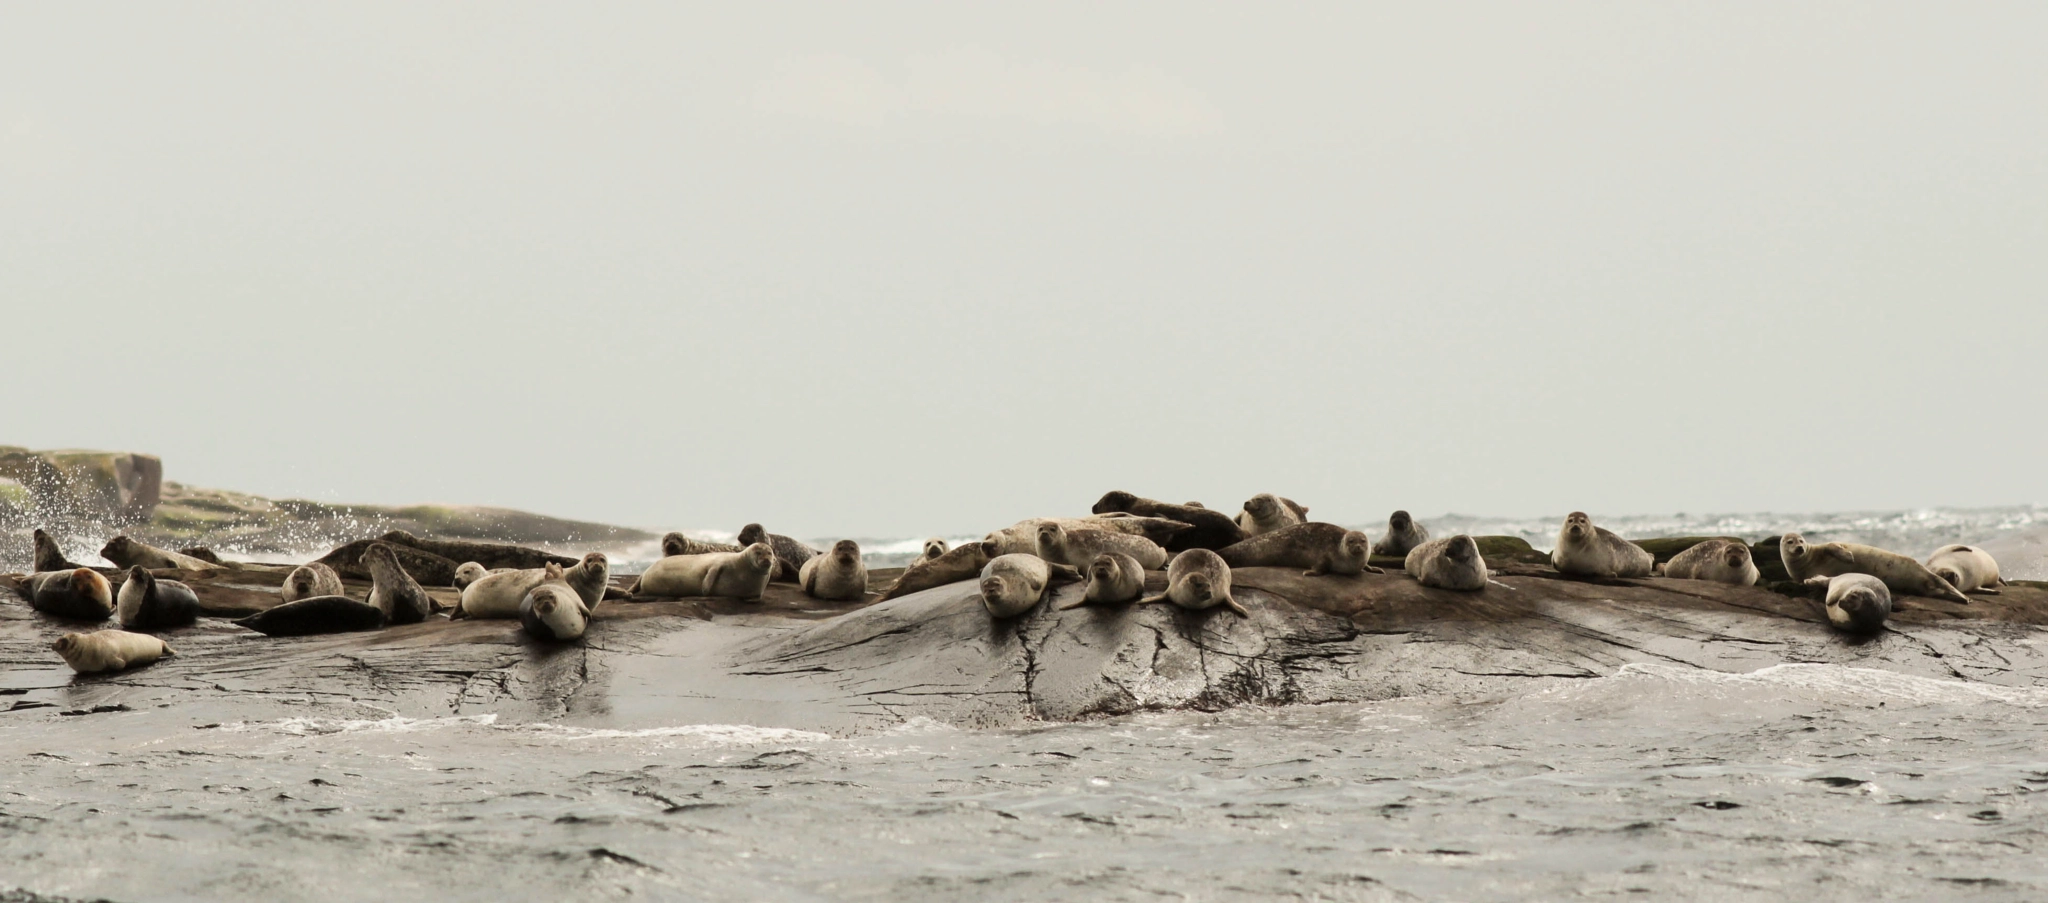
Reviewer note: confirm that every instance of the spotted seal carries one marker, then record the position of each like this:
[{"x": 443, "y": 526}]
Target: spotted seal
[
  {"x": 1113, "y": 578},
  {"x": 1584, "y": 550},
  {"x": 961, "y": 562},
  {"x": 80, "y": 593},
  {"x": 673, "y": 543},
  {"x": 1858, "y": 603},
  {"x": 1022, "y": 536},
  {"x": 1452, "y": 562},
  {"x": 49, "y": 556},
  {"x": 1198, "y": 579},
  {"x": 1966, "y": 568},
  {"x": 146, "y": 603},
  {"x": 1077, "y": 548},
  {"x": 1716, "y": 560},
  {"x": 1901, "y": 574},
  {"x": 109, "y": 650},
  {"x": 1402, "y": 536},
  {"x": 392, "y": 590},
  {"x": 1319, "y": 547},
  {"x": 735, "y": 575},
  {"x": 836, "y": 576},
  {"x": 790, "y": 553},
  {"x": 309, "y": 580},
  {"x": 1266, "y": 512},
  {"x": 1206, "y": 529}
]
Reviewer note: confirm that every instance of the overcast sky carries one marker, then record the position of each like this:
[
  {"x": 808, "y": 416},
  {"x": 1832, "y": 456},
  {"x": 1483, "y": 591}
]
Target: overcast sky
[{"x": 867, "y": 269}]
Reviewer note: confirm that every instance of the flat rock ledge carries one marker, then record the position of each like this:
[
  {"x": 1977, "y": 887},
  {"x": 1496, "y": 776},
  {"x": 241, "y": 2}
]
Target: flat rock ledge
[{"x": 794, "y": 662}]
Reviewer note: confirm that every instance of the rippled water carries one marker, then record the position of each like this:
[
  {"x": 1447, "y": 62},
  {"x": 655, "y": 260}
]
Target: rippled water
[{"x": 1828, "y": 782}]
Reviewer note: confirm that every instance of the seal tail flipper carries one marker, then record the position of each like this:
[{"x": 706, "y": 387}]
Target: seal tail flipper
[
  {"x": 1374, "y": 570},
  {"x": 1077, "y": 603},
  {"x": 1232, "y": 603},
  {"x": 1151, "y": 599},
  {"x": 168, "y": 650}
]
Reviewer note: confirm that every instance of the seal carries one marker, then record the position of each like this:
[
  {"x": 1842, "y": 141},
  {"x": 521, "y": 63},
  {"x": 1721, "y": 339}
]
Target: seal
[
  {"x": 1403, "y": 535},
  {"x": 1198, "y": 579},
  {"x": 1716, "y": 560},
  {"x": 1022, "y": 536},
  {"x": 309, "y": 580},
  {"x": 1077, "y": 548},
  {"x": 1452, "y": 562},
  {"x": 1266, "y": 512},
  {"x": 317, "y": 615},
  {"x": 125, "y": 552},
  {"x": 933, "y": 548},
  {"x": 673, "y": 543},
  {"x": 1902, "y": 575},
  {"x": 588, "y": 577},
  {"x": 1013, "y": 584},
  {"x": 962, "y": 562},
  {"x": 426, "y": 567},
  {"x": 1966, "y": 568},
  {"x": 1113, "y": 579},
  {"x": 1858, "y": 603},
  {"x": 836, "y": 576},
  {"x": 488, "y": 554},
  {"x": 1206, "y": 529},
  {"x": 109, "y": 650},
  {"x": 790, "y": 554},
  {"x": 553, "y": 611},
  {"x": 49, "y": 557},
  {"x": 470, "y": 572},
  {"x": 733, "y": 575},
  {"x": 203, "y": 554},
  {"x": 499, "y": 595},
  {"x": 146, "y": 603},
  {"x": 1321, "y": 548},
  {"x": 79, "y": 593},
  {"x": 392, "y": 590},
  {"x": 1584, "y": 550}
]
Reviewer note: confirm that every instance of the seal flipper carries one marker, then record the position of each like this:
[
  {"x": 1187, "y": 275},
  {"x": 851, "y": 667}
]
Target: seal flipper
[
  {"x": 1062, "y": 573},
  {"x": 1150, "y": 600},
  {"x": 1232, "y": 603},
  {"x": 1067, "y": 606}
]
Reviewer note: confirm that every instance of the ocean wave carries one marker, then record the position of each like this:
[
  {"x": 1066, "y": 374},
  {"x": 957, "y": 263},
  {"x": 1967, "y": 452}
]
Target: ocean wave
[
  {"x": 1837, "y": 682},
  {"x": 726, "y": 734},
  {"x": 395, "y": 724}
]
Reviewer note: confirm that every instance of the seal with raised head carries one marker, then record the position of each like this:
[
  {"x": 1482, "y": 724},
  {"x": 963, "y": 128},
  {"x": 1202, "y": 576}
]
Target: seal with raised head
[
  {"x": 933, "y": 548},
  {"x": 1900, "y": 573},
  {"x": 309, "y": 580},
  {"x": 1452, "y": 562},
  {"x": 1013, "y": 584},
  {"x": 961, "y": 562},
  {"x": 392, "y": 590},
  {"x": 79, "y": 593},
  {"x": 1077, "y": 548},
  {"x": 317, "y": 615},
  {"x": 1206, "y": 529},
  {"x": 424, "y": 566},
  {"x": 1403, "y": 535},
  {"x": 488, "y": 554},
  {"x": 470, "y": 572},
  {"x": 49, "y": 556},
  {"x": 1584, "y": 550},
  {"x": 790, "y": 553},
  {"x": 127, "y": 553},
  {"x": 553, "y": 611},
  {"x": 1266, "y": 512},
  {"x": 1022, "y": 536},
  {"x": 1966, "y": 568},
  {"x": 1198, "y": 579},
  {"x": 674, "y": 543},
  {"x": 740, "y": 575},
  {"x": 836, "y": 576},
  {"x": 1716, "y": 560},
  {"x": 146, "y": 603},
  {"x": 499, "y": 595},
  {"x": 1319, "y": 547},
  {"x": 1113, "y": 578},
  {"x": 109, "y": 650},
  {"x": 1858, "y": 603}
]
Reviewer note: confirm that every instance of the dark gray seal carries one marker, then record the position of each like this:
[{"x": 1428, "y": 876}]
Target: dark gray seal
[
  {"x": 320, "y": 614},
  {"x": 1321, "y": 548},
  {"x": 678, "y": 544},
  {"x": 49, "y": 557},
  {"x": 1403, "y": 535},
  {"x": 146, "y": 603},
  {"x": 1206, "y": 529},
  {"x": 80, "y": 593},
  {"x": 426, "y": 567},
  {"x": 488, "y": 554},
  {"x": 125, "y": 552},
  {"x": 392, "y": 590},
  {"x": 790, "y": 554},
  {"x": 1858, "y": 603}
]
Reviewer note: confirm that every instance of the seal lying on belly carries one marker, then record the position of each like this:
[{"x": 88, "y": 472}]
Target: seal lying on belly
[
  {"x": 146, "y": 603},
  {"x": 553, "y": 611},
  {"x": 790, "y": 553},
  {"x": 109, "y": 650},
  {"x": 732, "y": 575},
  {"x": 317, "y": 615},
  {"x": 125, "y": 552},
  {"x": 1113, "y": 578},
  {"x": 50, "y": 557},
  {"x": 1858, "y": 603},
  {"x": 962, "y": 562},
  {"x": 1453, "y": 562},
  {"x": 1077, "y": 548},
  {"x": 836, "y": 576},
  {"x": 1403, "y": 535},
  {"x": 1966, "y": 568},
  {"x": 1266, "y": 512},
  {"x": 79, "y": 593},
  {"x": 1584, "y": 550},
  {"x": 1715, "y": 560},
  {"x": 674, "y": 543},
  {"x": 1013, "y": 584},
  {"x": 488, "y": 554},
  {"x": 1902, "y": 575},
  {"x": 1321, "y": 548},
  {"x": 1198, "y": 579},
  {"x": 309, "y": 580},
  {"x": 499, "y": 595},
  {"x": 1022, "y": 536},
  {"x": 470, "y": 572},
  {"x": 1206, "y": 529},
  {"x": 392, "y": 590}
]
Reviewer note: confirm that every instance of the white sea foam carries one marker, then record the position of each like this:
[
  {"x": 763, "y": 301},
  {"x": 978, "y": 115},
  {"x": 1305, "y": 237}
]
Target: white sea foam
[
  {"x": 395, "y": 724},
  {"x": 1838, "y": 682},
  {"x": 730, "y": 734}
]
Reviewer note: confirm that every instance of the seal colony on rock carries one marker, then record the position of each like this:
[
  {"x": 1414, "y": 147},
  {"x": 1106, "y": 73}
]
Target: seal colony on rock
[
  {"x": 1198, "y": 579},
  {"x": 836, "y": 576},
  {"x": 1901, "y": 574},
  {"x": 790, "y": 554},
  {"x": 146, "y": 603},
  {"x": 109, "y": 650},
  {"x": 1402, "y": 536},
  {"x": 1321, "y": 548},
  {"x": 1584, "y": 550},
  {"x": 1453, "y": 562},
  {"x": 1717, "y": 560},
  {"x": 1206, "y": 529}
]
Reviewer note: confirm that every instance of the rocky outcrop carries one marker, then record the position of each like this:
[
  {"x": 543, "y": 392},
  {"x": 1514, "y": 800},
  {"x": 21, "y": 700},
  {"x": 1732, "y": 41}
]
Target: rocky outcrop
[{"x": 73, "y": 485}]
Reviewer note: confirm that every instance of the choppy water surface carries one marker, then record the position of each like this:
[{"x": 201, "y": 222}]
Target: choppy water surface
[{"x": 1828, "y": 782}]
